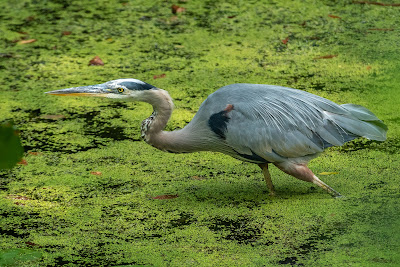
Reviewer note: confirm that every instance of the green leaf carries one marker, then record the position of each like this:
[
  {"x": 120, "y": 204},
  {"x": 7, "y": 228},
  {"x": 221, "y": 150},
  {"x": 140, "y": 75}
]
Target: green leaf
[{"x": 11, "y": 150}]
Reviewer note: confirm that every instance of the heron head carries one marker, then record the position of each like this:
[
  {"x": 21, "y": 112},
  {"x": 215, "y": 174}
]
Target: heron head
[{"x": 124, "y": 89}]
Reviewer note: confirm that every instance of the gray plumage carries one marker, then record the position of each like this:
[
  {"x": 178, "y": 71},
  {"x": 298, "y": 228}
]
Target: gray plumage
[
  {"x": 277, "y": 123},
  {"x": 252, "y": 122}
]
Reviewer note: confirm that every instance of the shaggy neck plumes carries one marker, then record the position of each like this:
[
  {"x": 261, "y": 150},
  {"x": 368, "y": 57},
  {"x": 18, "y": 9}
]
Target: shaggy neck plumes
[{"x": 152, "y": 128}]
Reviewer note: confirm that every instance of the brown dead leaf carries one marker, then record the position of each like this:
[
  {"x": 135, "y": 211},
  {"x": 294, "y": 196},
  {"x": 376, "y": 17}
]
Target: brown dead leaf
[
  {"x": 31, "y": 244},
  {"x": 286, "y": 40},
  {"x": 177, "y": 9},
  {"x": 326, "y": 57},
  {"x": 52, "y": 117},
  {"x": 29, "y": 41},
  {"x": 23, "y": 162},
  {"x": 334, "y": 17},
  {"x": 165, "y": 197},
  {"x": 18, "y": 197},
  {"x": 96, "y": 173},
  {"x": 369, "y": 67},
  {"x": 66, "y": 33},
  {"x": 96, "y": 61},
  {"x": 34, "y": 153},
  {"x": 159, "y": 76}
]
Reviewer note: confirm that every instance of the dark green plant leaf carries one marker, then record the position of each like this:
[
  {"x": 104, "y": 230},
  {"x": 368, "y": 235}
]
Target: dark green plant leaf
[{"x": 10, "y": 147}]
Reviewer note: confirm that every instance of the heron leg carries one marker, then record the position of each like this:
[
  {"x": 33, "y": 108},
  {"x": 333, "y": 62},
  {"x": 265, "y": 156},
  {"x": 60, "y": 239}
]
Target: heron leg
[
  {"x": 326, "y": 187},
  {"x": 267, "y": 178},
  {"x": 302, "y": 172}
]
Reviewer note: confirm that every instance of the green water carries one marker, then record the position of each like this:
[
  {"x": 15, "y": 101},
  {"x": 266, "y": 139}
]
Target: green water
[{"x": 84, "y": 196}]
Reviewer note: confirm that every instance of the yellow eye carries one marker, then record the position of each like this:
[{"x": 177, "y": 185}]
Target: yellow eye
[{"x": 120, "y": 89}]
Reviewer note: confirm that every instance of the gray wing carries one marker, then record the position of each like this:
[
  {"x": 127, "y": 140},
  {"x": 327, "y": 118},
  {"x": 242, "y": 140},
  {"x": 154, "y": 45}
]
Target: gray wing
[{"x": 276, "y": 123}]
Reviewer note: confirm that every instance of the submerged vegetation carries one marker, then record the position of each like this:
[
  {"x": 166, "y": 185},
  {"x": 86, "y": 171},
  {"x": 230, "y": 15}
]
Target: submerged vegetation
[{"x": 90, "y": 193}]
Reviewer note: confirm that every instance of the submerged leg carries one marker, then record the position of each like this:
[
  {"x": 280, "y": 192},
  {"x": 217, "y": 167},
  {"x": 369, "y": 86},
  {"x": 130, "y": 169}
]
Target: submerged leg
[
  {"x": 302, "y": 172},
  {"x": 267, "y": 178}
]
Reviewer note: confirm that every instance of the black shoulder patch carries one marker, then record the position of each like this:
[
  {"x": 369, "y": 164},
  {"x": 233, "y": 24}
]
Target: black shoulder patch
[
  {"x": 137, "y": 86},
  {"x": 218, "y": 121}
]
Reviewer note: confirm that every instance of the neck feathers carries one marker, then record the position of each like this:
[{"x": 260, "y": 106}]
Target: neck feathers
[
  {"x": 188, "y": 139},
  {"x": 162, "y": 110}
]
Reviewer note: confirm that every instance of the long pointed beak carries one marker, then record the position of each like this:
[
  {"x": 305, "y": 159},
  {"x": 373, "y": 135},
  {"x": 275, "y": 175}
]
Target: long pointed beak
[{"x": 98, "y": 90}]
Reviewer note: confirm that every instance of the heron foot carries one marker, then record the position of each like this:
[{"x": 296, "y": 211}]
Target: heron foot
[{"x": 326, "y": 187}]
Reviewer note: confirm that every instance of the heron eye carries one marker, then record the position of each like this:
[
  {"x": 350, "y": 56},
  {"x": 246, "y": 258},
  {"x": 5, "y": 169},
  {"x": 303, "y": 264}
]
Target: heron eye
[{"x": 120, "y": 89}]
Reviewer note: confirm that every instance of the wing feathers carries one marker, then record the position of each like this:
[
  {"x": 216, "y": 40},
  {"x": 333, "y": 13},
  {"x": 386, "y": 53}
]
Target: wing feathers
[{"x": 276, "y": 122}]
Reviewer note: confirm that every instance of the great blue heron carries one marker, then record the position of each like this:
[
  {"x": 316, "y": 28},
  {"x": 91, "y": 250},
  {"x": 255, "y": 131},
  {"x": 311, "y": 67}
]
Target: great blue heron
[{"x": 255, "y": 123}]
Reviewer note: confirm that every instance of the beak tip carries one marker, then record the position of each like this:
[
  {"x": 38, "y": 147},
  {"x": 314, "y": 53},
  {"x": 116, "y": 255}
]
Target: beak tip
[{"x": 51, "y": 93}]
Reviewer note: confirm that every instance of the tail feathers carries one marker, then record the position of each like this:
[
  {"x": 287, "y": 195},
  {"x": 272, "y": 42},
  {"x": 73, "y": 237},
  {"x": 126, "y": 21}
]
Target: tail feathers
[
  {"x": 360, "y": 112},
  {"x": 362, "y": 122},
  {"x": 334, "y": 134}
]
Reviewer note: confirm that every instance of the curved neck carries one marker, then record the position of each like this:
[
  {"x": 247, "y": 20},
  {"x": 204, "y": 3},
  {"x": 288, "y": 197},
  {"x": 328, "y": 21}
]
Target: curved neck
[
  {"x": 162, "y": 110},
  {"x": 195, "y": 136},
  {"x": 152, "y": 127}
]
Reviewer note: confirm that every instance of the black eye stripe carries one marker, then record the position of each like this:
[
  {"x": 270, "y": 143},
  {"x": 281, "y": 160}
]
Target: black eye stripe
[{"x": 137, "y": 86}]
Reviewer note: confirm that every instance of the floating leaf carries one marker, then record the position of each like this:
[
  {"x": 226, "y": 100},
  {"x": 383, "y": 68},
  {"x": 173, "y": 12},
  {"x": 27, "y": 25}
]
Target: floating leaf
[
  {"x": 159, "y": 76},
  {"x": 52, "y": 117},
  {"x": 334, "y": 17},
  {"x": 326, "y": 57},
  {"x": 22, "y": 162},
  {"x": 18, "y": 197},
  {"x": 96, "y": 61},
  {"x": 31, "y": 244},
  {"x": 29, "y": 41},
  {"x": 34, "y": 153},
  {"x": 165, "y": 197},
  {"x": 177, "y": 9}
]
